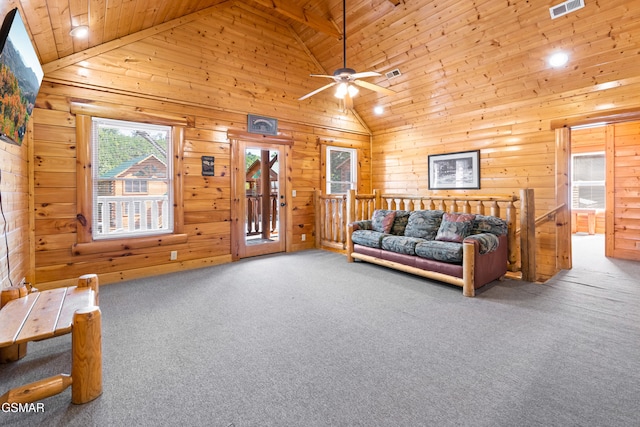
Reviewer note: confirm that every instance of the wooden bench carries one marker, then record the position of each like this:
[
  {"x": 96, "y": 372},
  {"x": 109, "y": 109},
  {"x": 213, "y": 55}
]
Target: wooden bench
[{"x": 37, "y": 316}]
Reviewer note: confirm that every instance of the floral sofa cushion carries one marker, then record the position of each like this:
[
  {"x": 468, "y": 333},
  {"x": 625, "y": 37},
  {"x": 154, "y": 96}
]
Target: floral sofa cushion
[
  {"x": 401, "y": 244},
  {"x": 488, "y": 242},
  {"x": 370, "y": 238},
  {"x": 382, "y": 220},
  {"x": 440, "y": 251},
  {"x": 455, "y": 227},
  {"x": 424, "y": 224},
  {"x": 489, "y": 224}
]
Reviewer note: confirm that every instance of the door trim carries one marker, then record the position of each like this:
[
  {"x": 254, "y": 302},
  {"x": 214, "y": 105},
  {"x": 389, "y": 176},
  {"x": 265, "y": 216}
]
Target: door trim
[{"x": 236, "y": 140}]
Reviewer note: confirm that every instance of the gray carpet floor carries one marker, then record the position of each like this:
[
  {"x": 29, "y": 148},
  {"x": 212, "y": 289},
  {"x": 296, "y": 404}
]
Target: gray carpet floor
[{"x": 307, "y": 339}]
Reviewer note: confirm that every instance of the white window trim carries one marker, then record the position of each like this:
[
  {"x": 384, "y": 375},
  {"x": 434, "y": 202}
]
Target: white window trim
[
  {"x": 354, "y": 167},
  {"x": 169, "y": 223}
]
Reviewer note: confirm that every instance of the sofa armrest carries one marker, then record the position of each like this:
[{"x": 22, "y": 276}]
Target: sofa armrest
[
  {"x": 359, "y": 225},
  {"x": 488, "y": 266},
  {"x": 487, "y": 242}
]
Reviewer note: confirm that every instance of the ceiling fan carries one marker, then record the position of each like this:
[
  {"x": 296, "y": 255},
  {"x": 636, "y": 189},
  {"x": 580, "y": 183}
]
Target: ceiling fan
[{"x": 347, "y": 79}]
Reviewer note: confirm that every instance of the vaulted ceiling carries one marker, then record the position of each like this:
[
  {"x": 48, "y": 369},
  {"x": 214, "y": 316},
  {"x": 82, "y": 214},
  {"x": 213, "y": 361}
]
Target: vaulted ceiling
[{"x": 454, "y": 56}]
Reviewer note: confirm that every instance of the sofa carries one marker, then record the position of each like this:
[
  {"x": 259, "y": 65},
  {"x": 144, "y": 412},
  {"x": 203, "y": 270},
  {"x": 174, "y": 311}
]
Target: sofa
[{"x": 467, "y": 250}]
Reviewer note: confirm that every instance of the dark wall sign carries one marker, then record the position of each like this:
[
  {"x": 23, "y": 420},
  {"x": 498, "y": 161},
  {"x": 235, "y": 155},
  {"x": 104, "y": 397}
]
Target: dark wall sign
[{"x": 207, "y": 165}]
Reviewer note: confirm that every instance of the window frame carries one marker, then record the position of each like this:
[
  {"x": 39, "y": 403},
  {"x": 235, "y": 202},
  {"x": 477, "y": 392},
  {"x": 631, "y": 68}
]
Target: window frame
[
  {"x": 85, "y": 244},
  {"x": 576, "y": 183},
  {"x": 353, "y": 183}
]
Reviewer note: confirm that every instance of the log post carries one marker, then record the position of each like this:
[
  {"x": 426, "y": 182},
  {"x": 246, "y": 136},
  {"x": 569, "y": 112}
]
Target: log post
[
  {"x": 512, "y": 256},
  {"x": 13, "y": 352},
  {"x": 318, "y": 211},
  {"x": 377, "y": 196},
  {"x": 86, "y": 362},
  {"x": 90, "y": 281},
  {"x": 527, "y": 235},
  {"x": 468, "y": 269}
]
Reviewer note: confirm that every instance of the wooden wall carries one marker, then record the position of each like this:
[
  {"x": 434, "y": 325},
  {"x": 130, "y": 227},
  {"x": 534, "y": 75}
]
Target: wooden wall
[
  {"x": 211, "y": 78},
  {"x": 508, "y": 106},
  {"x": 15, "y": 262},
  {"x": 623, "y": 191}
]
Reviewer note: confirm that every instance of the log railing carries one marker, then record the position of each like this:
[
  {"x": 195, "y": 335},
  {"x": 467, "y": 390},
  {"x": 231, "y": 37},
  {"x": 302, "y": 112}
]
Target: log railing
[
  {"x": 334, "y": 212},
  {"x": 120, "y": 215},
  {"x": 331, "y": 220}
]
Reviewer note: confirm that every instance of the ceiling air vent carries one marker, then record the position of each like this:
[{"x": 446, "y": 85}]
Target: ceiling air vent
[
  {"x": 393, "y": 73},
  {"x": 566, "y": 7}
]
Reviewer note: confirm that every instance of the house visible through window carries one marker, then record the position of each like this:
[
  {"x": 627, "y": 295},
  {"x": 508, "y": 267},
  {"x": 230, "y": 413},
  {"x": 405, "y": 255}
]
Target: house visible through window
[
  {"x": 132, "y": 179},
  {"x": 341, "y": 170},
  {"x": 588, "y": 181}
]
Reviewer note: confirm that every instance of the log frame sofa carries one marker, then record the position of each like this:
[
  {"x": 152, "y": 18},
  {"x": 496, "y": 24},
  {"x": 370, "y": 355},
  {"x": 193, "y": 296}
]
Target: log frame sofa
[{"x": 359, "y": 207}]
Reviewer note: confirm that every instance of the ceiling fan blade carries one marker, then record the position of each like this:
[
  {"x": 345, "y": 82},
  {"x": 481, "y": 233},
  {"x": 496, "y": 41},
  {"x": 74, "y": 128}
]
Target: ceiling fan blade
[
  {"x": 365, "y": 74},
  {"x": 317, "y": 90},
  {"x": 373, "y": 87},
  {"x": 322, "y": 75}
]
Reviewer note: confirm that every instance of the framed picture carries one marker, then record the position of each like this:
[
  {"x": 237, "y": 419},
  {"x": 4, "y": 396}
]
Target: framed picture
[
  {"x": 262, "y": 125},
  {"x": 459, "y": 171}
]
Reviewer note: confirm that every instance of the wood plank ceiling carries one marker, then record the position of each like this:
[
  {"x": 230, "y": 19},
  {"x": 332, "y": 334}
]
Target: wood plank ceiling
[{"x": 453, "y": 54}]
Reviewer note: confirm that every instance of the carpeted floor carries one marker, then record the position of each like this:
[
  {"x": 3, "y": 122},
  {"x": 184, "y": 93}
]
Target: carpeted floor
[{"x": 307, "y": 339}]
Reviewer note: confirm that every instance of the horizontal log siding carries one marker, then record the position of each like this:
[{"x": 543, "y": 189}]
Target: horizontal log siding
[
  {"x": 207, "y": 200},
  {"x": 625, "y": 199},
  {"x": 212, "y": 71}
]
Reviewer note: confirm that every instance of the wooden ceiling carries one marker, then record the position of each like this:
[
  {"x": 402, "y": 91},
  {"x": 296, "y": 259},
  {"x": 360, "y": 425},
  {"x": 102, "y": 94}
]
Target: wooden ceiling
[{"x": 453, "y": 54}]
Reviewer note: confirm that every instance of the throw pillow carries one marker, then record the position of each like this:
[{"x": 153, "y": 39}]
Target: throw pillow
[
  {"x": 455, "y": 227},
  {"x": 424, "y": 224},
  {"x": 382, "y": 220}
]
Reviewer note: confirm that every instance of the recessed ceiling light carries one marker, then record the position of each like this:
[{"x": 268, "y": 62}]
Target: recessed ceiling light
[
  {"x": 378, "y": 109},
  {"x": 558, "y": 59},
  {"x": 80, "y": 32}
]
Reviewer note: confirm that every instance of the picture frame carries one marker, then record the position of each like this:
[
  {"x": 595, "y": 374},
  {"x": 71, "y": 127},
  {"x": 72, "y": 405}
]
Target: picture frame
[
  {"x": 262, "y": 125},
  {"x": 455, "y": 171}
]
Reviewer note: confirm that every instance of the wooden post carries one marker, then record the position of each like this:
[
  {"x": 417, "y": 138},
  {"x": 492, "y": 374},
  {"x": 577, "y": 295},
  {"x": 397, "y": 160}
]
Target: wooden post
[
  {"x": 86, "y": 363},
  {"x": 528, "y": 234},
  {"x": 377, "y": 195},
  {"x": 512, "y": 255},
  {"x": 265, "y": 191},
  {"x": 13, "y": 352},
  {"x": 468, "y": 269},
  {"x": 90, "y": 281},
  {"x": 563, "y": 216},
  {"x": 317, "y": 209}
]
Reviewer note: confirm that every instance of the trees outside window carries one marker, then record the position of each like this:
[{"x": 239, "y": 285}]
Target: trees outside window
[
  {"x": 132, "y": 179},
  {"x": 341, "y": 170}
]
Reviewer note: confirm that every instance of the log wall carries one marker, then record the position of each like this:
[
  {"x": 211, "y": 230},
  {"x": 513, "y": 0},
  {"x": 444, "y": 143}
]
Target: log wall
[
  {"x": 207, "y": 200},
  {"x": 211, "y": 72},
  {"x": 623, "y": 191}
]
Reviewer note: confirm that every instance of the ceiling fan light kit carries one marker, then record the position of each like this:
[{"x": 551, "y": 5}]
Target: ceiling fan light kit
[{"x": 347, "y": 79}]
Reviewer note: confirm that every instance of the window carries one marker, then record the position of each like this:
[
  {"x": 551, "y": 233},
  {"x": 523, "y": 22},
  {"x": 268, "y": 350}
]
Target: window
[
  {"x": 135, "y": 186},
  {"x": 588, "y": 179},
  {"x": 132, "y": 179},
  {"x": 341, "y": 170}
]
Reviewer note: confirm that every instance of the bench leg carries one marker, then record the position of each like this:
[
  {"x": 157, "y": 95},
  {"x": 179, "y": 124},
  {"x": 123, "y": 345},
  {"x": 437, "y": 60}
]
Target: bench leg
[
  {"x": 86, "y": 362},
  {"x": 13, "y": 352}
]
